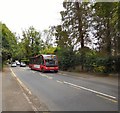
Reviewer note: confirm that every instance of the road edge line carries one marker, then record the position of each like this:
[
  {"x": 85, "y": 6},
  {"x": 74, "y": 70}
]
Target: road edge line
[
  {"x": 20, "y": 82},
  {"x": 25, "y": 88}
]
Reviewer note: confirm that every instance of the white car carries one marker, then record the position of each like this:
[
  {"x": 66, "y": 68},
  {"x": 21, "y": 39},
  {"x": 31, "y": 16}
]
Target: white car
[
  {"x": 22, "y": 64},
  {"x": 17, "y": 62},
  {"x": 13, "y": 64}
]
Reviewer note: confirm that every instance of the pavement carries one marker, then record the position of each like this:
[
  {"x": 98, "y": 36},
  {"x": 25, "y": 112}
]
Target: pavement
[{"x": 13, "y": 98}]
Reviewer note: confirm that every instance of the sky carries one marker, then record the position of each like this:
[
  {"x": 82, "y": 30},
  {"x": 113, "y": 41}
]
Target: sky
[{"x": 19, "y": 15}]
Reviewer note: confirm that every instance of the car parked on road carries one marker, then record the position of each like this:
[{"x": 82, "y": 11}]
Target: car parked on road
[
  {"x": 22, "y": 64},
  {"x": 17, "y": 62},
  {"x": 13, "y": 64}
]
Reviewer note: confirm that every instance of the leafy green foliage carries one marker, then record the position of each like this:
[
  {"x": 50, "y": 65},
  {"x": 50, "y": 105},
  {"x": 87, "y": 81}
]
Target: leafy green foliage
[
  {"x": 66, "y": 58},
  {"x": 78, "y": 19},
  {"x": 48, "y": 37},
  {"x": 26, "y": 61},
  {"x": 9, "y": 44},
  {"x": 95, "y": 25},
  {"x": 48, "y": 50},
  {"x": 32, "y": 42},
  {"x": 105, "y": 19}
]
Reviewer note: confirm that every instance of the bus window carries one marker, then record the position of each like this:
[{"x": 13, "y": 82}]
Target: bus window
[
  {"x": 50, "y": 62},
  {"x": 42, "y": 61},
  {"x": 39, "y": 60}
]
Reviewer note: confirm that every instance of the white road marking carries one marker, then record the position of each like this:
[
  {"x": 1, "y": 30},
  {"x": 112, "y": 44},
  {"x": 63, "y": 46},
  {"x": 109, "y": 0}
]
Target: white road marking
[
  {"x": 91, "y": 90},
  {"x": 42, "y": 74},
  {"x": 59, "y": 81},
  {"x": 50, "y": 77},
  {"x": 81, "y": 87},
  {"x": 108, "y": 98},
  {"x": 75, "y": 87},
  {"x": 34, "y": 108},
  {"x": 20, "y": 82},
  {"x": 33, "y": 71},
  {"x": 46, "y": 76},
  {"x": 100, "y": 94},
  {"x": 64, "y": 74},
  {"x": 22, "y": 85}
]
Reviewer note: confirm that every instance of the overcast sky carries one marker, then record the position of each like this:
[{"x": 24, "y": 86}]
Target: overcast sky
[{"x": 20, "y": 14}]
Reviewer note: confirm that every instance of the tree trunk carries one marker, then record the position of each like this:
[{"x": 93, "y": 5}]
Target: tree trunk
[
  {"x": 118, "y": 40},
  {"x": 108, "y": 39},
  {"x": 79, "y": 16}
]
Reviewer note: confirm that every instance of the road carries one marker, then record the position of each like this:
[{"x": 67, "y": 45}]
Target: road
[{"x": 61, "y": 92}]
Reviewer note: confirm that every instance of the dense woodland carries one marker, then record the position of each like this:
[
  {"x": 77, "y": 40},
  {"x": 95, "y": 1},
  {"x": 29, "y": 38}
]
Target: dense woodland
[{"x": 88, "y": 38}]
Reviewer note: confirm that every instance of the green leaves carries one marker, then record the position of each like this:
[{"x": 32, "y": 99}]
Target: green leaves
[
  {"x": 106, "y": 19},
  {"x": 48, "y": 50},
  {"x": 66, "y": 57},
  {"x": 32, "y": 42},
  {"x": 84, "y": 27},
  {"x": 9, "y": 43}
]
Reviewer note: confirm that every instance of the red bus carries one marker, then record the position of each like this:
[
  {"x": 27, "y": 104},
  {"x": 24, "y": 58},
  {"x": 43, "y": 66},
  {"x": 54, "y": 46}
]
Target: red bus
[{"x": 44, "y": 63}]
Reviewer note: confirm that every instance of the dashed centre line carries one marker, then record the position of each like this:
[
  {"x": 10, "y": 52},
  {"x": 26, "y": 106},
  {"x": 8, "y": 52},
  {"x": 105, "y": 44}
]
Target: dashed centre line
[
  {"x": 59, "y": 81},
  {"x": 33, "y": 71},
  {"x": 64, "y": 74},
  {"x": 46, "y": 76},
  {"x": 49, "y": 77},
  {"x": 42, "y": 74}
]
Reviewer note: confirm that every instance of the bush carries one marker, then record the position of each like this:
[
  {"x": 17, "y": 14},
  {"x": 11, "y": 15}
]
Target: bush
[
  {"x": 66, "y": 58},
  {"x": 92, "y": 61},
  {"x": 95, "y": 62},
  {"x": 100, "y": 69},
  {"x": 25, "y": 60}
]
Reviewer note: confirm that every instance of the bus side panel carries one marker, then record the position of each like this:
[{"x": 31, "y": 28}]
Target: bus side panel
[
  {"x": 30, "y": 66},
  {"x": 36, "y": 67}
]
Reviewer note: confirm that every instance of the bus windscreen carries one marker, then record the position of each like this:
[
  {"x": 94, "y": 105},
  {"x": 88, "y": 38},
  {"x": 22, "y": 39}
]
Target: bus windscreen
[{"x": 51, "y": 62}]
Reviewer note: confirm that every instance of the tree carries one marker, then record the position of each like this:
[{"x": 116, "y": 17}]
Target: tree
[
  {"x": 50, "y": 50},
  {"x": 48, "y": 37},
  {"x": 62, "y": 37},
  {"x": 32, "y": 42},
  {"x": 9, "y": 43},
  {"x": 105, "y": 19},
  {"x": 73, "y": 32}
]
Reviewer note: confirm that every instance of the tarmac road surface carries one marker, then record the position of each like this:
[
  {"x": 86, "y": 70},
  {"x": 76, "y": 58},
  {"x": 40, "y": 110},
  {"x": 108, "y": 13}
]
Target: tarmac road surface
[{"x": 61, "y": 92}]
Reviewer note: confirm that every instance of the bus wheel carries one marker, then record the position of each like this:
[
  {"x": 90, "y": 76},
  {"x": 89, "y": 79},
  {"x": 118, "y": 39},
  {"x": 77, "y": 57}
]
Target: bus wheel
[
  {"x": 43, "y": 70},
  {"x": 55, "y": 71}
]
